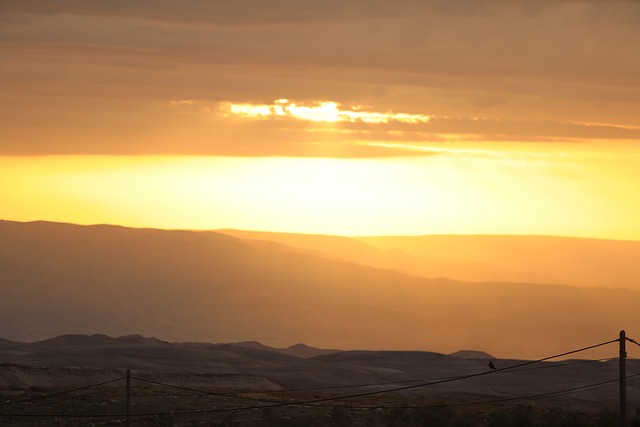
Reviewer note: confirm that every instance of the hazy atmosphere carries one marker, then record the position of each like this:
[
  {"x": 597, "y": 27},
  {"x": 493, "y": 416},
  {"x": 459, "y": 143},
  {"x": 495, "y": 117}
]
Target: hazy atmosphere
[
  {"x": 280, "y": 204},
  {"x": 351, "y": 118}
]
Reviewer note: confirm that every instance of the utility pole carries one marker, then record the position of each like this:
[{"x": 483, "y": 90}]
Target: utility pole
[
  {"x": 623, "y": 379},
  {"x": 128, "y": 399}
]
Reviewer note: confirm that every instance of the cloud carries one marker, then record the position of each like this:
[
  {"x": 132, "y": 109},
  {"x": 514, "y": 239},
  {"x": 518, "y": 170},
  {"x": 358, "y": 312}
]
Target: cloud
[
  {"x": 358, "y": 123},
  {"x": 84, "y": 76},
  {"x": 236, "y": 12},
  {"x": 322, "y": 111}
]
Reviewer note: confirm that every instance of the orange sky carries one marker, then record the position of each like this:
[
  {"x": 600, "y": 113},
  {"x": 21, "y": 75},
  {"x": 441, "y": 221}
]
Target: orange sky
[{"x": 360, "y": 117}]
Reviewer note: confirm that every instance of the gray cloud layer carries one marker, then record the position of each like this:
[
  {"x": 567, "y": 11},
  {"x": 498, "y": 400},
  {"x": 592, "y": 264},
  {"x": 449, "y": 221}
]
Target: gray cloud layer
[{"x": 90, "y": 76}]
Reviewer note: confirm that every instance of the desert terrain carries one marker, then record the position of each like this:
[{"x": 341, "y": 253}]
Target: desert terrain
[{"x": 68, "y": 377}]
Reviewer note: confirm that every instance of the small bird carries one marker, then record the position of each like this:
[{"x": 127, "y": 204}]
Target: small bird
[{"x": 492, "y": 367}]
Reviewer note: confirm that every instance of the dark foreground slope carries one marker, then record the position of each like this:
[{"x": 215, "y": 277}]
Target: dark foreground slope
[
  {"x": 261, "y": 372},
  {"x": 203, "y": 286}
]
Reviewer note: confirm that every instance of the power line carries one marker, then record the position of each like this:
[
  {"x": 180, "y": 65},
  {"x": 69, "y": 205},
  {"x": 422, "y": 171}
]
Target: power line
[
  {"x": 558, "y": 355},
  {"x": 49, "y": 403},
  {"x": 555, "y": 365},
  {"x": 561, "y": 365},
  {"x": 236, "y": 396},
  {"x": 332, "y": 387},
  {"x": 313, "y": 402},
  {"x": 488, "y": 402},
  {"x": 232, "y": 396},
  {"x": 437, "y": 380},
  {"x": 446, "y": 379},
  {"x": 376, "y": 392},
  {"x": 46, "y": 396},
  {"x": 492, "y": 402},
  {"x": 542, "y": 395},
  {"x": 633, "y": 341},
  {"x": 463, "y": 376}
]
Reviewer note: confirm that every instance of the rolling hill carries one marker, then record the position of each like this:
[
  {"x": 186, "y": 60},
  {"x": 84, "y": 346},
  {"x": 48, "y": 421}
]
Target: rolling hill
[
  {"x": 206, "y": 286},
  {"x": 259, "y": 371},
  {"x": 525, "y": 259}
]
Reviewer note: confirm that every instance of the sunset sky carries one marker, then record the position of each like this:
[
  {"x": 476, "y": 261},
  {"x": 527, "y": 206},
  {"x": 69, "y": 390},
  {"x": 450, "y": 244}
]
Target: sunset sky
[{"x": 353, "y": 117}]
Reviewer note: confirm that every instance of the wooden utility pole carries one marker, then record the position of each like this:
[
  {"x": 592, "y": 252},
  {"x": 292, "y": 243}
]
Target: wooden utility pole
[
  {"x": 128, "y": 399},
  {"x": 623, "y": 379}
]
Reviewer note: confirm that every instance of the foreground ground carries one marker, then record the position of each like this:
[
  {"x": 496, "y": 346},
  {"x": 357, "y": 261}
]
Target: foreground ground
[{"x": 79, "y": 380}]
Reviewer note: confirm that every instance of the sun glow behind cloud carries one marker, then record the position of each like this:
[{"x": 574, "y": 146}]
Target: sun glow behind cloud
[{"x": 320, "y": 111}]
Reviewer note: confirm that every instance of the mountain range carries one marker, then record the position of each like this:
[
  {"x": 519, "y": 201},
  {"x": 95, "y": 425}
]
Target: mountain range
[
  {"x": 215, "y": 287},
  {"x": 479, "y": 258}
]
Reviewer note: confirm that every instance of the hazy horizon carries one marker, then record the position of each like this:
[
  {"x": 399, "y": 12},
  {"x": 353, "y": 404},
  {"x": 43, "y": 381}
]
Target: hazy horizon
[{"x": 355, "y": 236}]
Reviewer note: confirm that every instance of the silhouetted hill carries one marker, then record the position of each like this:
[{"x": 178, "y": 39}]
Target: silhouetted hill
[
  {"x": 380, "y": 358},
  {"x": 254, "y": 345},
  {"x": 298, "y": 350},
  {"x": 204, "y": 286},
  {"x": 303, "y": 350},
  {"x": 472, "y": 354},
  {"x": 136, "y": 338},
  {"x": 356, "y": 251},
  {"x": 253, "y": 370},
  {"x": 76, "y": 339}
]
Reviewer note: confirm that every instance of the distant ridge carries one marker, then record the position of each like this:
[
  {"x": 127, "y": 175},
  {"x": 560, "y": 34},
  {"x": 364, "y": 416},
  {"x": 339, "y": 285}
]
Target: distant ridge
[
  {"x": 136, "y": 338},
  {"x": 303, "y": 350},
  {"x": 186, "y": 286},
  {"x": 77, "y": 339},
  {"x": 471, "y": 354},
  {"x": 476, "y": 258},
  {"x": 253, "y": 344},
  {"x": 298, "y": 350}
]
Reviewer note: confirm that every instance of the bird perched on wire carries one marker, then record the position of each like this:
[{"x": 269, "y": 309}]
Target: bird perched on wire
[{"x": 492, "y": 367}]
